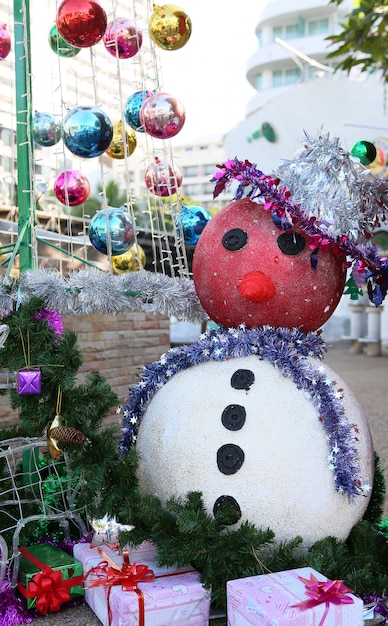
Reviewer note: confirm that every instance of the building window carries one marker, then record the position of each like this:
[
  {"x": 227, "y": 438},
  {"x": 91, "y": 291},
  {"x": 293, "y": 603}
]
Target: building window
[
  {"x": 318, "y": 27},
  {"x": 191, "y": 170},
  {"x": 277, "y": 32},
  {"x": 259, "y": 36},
  {"x": 287, "y": 77},
  {"x": 277, "y": 78},
  {"x": 258, "y": 82},
  {"x": 291, "y": 31},
  {"x": 208, "y": 188},
  {"x": 291, "y": 76},
  {"x": 191, "y": 190},
  {"x": 209, "y": 169}
]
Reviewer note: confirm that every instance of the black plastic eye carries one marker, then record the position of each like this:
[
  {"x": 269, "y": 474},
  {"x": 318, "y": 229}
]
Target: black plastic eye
[
  {"x": 230, "y": 458},
  {"x": 291, "y": 243},
  {"x": 234, "y": 239},
  {"x": 242, "y": 379},
  {"x": 230, "y": 503},
  {"x": 233, "y": 417}
]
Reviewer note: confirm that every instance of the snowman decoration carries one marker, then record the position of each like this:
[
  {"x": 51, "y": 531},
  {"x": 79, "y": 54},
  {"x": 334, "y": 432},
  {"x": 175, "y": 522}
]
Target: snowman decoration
[{"x": 249, "y": 415}]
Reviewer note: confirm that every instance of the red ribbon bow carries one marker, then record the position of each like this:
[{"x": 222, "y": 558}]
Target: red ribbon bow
[
  {"x": 321, "y": 592},
  {"x": 47, "y": 586},
  {"x": 128, "y": 576}
]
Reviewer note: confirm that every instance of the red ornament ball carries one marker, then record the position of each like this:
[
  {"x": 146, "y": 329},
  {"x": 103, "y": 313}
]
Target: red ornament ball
[
  {"x": 122, "y": 38},
  {"x": 81, "y": 23},
  {"x": 248, "y": 271}
]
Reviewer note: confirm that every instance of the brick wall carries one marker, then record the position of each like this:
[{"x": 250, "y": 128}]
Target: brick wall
[{"x": 118, "y": 347}]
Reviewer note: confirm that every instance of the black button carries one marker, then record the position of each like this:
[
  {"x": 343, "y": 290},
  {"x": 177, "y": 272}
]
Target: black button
[
  {"x": 231, "y": 505},
  {"x": 230, "y": 458},
  {"x": 242, "y": 379},
  {"x": 233, "y": 417},
  {"x": 234, "y": 239},
  {"x": 291, "y": 244}
]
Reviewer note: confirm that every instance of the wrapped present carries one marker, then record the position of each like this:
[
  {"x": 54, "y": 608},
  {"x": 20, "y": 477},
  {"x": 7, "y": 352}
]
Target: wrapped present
[
  {"x": 119, "y": 591},
  {"x": 28, "y": 381},
  {"x": 48, "y": 577},
  {"x": 301, "y": 596}
]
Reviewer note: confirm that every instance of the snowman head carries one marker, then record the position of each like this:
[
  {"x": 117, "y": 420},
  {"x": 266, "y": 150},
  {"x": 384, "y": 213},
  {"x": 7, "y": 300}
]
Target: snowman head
[{"x": 279, "y": 256}]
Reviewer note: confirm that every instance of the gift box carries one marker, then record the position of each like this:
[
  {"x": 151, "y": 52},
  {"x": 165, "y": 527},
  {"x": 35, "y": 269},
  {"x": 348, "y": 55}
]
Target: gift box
[
  {"x": 48, "y": 577},
  {"x": 165, "y": 596},
  {"x": 301, "y": 596},
  {"x": 28, "y": 381}
]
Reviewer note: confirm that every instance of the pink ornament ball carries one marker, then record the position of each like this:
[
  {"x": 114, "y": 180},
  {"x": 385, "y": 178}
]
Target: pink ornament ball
[
  {"x": 72, "y": 188},
  {"x": 162, "y": 116},
  {"x": 162, "y": 179},
  {"x": 5, "y": 41},
  {"x": 81, "y": 23},
  {"x": 122, "y": 38}
]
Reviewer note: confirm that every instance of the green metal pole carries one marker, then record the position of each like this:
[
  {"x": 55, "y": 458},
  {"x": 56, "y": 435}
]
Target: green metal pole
[{"x": 24, "y": 143}]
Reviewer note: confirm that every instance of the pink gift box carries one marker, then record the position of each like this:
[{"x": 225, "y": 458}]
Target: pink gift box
[
  {"x": 173, "y": 598},
  {"x": 268, "y": 600},
  {"x": 29, "y": 381}
]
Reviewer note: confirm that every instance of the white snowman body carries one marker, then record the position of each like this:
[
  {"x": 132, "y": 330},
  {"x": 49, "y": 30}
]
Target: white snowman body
[{"x": 263, "y": 447}]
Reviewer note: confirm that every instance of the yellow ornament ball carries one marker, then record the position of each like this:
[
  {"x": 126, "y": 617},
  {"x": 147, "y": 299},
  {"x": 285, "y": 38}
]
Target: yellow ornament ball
[
  {"x": 131, "y": 261},
  {"x": 170, "y": 27},
  {"x": 116, "y": 149}
]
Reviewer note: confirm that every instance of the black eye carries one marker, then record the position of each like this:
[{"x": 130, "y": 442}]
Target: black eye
[
  {"x": 291, "y": 243},
  {"x": 234, "y": 239}
]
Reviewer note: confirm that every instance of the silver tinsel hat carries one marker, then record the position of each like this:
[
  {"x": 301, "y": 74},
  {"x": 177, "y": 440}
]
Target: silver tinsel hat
[{"x": 329, "y": 194}]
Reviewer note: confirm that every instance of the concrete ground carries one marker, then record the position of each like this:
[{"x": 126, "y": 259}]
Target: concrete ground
[{"x": 367, "y": 376}]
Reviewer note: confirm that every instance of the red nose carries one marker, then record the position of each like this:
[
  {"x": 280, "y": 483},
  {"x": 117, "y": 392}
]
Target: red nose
[{"x": 257, "y": 287}]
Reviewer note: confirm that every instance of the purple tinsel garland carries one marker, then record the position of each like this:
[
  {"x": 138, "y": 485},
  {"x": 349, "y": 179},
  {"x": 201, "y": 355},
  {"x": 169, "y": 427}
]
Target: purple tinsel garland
[
  {"x": 53, "y": 319},
  {"x": 287, "y": 349}
]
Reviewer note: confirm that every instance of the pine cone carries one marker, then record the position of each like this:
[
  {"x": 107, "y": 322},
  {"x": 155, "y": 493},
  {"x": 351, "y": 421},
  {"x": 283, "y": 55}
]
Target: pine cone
[{"x": 66, "y": 434}]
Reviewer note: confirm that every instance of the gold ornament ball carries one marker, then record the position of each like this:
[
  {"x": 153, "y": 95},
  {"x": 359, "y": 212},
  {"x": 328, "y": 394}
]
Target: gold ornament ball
[
  {"x": 170, "y": 27},
  {"x": 116, "y": 149},
  {"x": 131, "y": 261}
]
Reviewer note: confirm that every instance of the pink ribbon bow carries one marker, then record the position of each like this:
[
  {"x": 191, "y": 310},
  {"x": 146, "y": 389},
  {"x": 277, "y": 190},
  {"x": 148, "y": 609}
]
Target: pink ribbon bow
[{"x": 320, "y": 592}]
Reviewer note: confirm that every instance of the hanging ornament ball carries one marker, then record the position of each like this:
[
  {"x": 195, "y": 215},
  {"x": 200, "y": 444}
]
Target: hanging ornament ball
[
  {"x": 71, "y": 188},
  {"x": 162, "y": 179},
  {"x": 60, "y": 46},
  {"x": 162, "y": 115},
  {"x": 122, "y": 38},
  {"x": 132, "y": 108},
  {"x": 191, "y": 222},
  {"x": 87, "y": 131},
  {"x": 111, "y": 228},
  {"x": 132, "y": 261},
  {"x": 46, "y": 130},
  {"x": 365, "y": 151},
  {"x": 82, "y": 23},
  {"x": 116, "y": 149},
  {"x": 170, "y": 27},
  {"x": 5, "y": 41}
]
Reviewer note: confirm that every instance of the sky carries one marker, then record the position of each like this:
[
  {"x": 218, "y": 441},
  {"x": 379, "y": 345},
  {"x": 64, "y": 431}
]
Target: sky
[{"x": 208, "y": 75}]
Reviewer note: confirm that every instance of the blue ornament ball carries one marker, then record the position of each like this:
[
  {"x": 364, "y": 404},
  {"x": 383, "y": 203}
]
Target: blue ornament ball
[
  {"x": 132, "y": 108},
  {"x": 87, "y": 131},
  {"x": 46, "y": 130},
  {"x": 111, "y": 227},
  {"x": 191, "y": 222}
]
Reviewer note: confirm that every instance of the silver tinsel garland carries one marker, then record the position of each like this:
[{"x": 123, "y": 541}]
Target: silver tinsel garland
[
  {"x": 93, "y": 291},
  {"x": 334, "y": 188}
]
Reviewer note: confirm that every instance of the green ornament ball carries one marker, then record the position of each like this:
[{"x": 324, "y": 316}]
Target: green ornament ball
[
  {"x": 60, "y": 46},
  {"x": 365, "y": 151}
]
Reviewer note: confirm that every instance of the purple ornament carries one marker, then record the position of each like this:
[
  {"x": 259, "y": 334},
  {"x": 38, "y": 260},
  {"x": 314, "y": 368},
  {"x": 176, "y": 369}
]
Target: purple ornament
[
  {"x": 71, "y": 188},
  {"x": 122, "y": 38},
  {"x": 5, "y": 41},
  {"x": 162, "y": 115}
]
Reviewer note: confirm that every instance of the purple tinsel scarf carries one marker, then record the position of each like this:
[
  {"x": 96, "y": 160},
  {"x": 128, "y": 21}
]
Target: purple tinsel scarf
[{"x": 287, "y": 349}]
